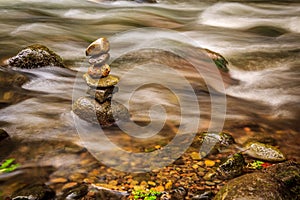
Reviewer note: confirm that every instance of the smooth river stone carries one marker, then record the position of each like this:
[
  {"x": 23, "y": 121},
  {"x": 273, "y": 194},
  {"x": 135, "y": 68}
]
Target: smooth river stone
[
  {"x": 264, "y": 152},
  {"x": 102, "y": 95},
  {"x": 108, "y": 81},
  {"x": 99, "y": 60},
  {"x": 98, "y": 47},
  {"x": 105, "y": 114},
  {"x": 98, "y": 72}
]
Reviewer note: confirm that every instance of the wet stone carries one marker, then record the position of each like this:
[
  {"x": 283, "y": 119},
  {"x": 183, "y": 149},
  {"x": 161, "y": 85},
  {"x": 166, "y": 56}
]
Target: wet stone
[
  {"x": 204, "y": 196},
  {"x": 105, "y": 114},
  {"x": 69, "y": 186},
  {"x": 58, "y": 180},
  {"x": 178, "y": 193},
  {"x": 9, "y": 78},
  {"x": 34, "y": 192},
  {"x": 104, "y": 193},
  {"x": 232, "y": 167},
  {"x": 35, "y": 56},
  {"x": 209, "y": 163},
  {"x": 98, "y": 47},
  {"x": 108, "y": 81},
  {"x": 99, "y": 72},
  {"x": 264, "y": 152},
  {"x": 99, "y": 60},
  {"x": 253, "y": 186},
  {"x": 75, "y": 193},
  {"x": 102, "y": 95}
]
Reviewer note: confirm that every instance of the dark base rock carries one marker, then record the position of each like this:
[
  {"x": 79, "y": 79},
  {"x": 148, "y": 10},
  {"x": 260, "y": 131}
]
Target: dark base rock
[
  {"x": 278, "y": 182},
  {"x": 35, "y": 56},
  {"x": 105, "y": 114},
  {"x": 34, "y": 192}
]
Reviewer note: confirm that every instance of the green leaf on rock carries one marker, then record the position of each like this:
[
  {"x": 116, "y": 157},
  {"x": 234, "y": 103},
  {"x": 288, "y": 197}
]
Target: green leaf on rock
[{"x": 8, "y": 166}]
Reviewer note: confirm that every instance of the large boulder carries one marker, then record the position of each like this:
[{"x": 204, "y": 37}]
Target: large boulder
[
  {"x": 35, "y": 56},
  {"x": 278, "y": 182}
]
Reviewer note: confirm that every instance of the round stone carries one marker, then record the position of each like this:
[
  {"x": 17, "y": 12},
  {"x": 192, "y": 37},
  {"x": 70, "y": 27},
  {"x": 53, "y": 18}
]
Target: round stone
[
  {"x": 98, "y": 47},
  {"x": 104, "y": 82},
  {"x": 98, "y": 72},
  {"x": 105, "y": 114},
  {"x": 99, "y": 60}
]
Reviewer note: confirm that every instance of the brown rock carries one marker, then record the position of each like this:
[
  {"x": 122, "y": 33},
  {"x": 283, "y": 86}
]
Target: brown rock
[
  {"x": 98, "y": 47},
  {"x": 99, "y": 72},
  {"x": 98, "y": 61},
  {"x": 108, "y": 81}
]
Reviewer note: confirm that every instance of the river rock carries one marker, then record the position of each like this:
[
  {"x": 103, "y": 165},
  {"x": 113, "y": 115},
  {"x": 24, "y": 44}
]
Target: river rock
[
  {"x": 9, "y": 78},
  {"x": 107, "y": 194},
  {"x": 218, "y": 140},
  {"x": 102, "y": 94},
  {"x": 75, "y": 193},
  {"x": 218, "y": 59},
  {"x": 99, "y": 60},
  {"x": 264, "y": 152},
  {"x": 35, "y": 56},
  {"x": 104, "y": 82},
  {"x": 98, "y": 47},
  {"x": 278, "y": 182},
  {"x": 105, "y": 114},
  {"x": 230, "y": 168},
  {"x": 3, "y": 135},
  {"x": 99, "y": 72},
  {"x": 34, "y": 192}
]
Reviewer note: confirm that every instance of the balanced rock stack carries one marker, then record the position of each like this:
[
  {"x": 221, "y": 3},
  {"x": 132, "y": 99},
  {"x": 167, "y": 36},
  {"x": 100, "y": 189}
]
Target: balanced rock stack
[{"x": 97, "y": 107}]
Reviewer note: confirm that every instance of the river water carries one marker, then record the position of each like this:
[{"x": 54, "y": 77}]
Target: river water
[{"x": 260, "y": 40}]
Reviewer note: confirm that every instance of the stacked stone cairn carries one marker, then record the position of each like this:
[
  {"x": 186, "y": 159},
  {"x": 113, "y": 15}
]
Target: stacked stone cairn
[{"x": 97, "y": 107}]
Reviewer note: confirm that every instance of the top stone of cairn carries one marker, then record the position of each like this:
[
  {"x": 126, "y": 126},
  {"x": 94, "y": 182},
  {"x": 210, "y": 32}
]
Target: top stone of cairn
[{"x": 98, "y": 47}]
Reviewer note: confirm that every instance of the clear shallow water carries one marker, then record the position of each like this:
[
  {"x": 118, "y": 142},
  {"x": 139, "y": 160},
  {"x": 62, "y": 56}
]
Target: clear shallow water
[{"x": 260, "y": 40}]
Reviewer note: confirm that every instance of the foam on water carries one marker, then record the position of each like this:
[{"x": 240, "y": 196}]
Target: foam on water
[
  {"x": 266, "y": 86},
  {"x": 242, "y": 16}
]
